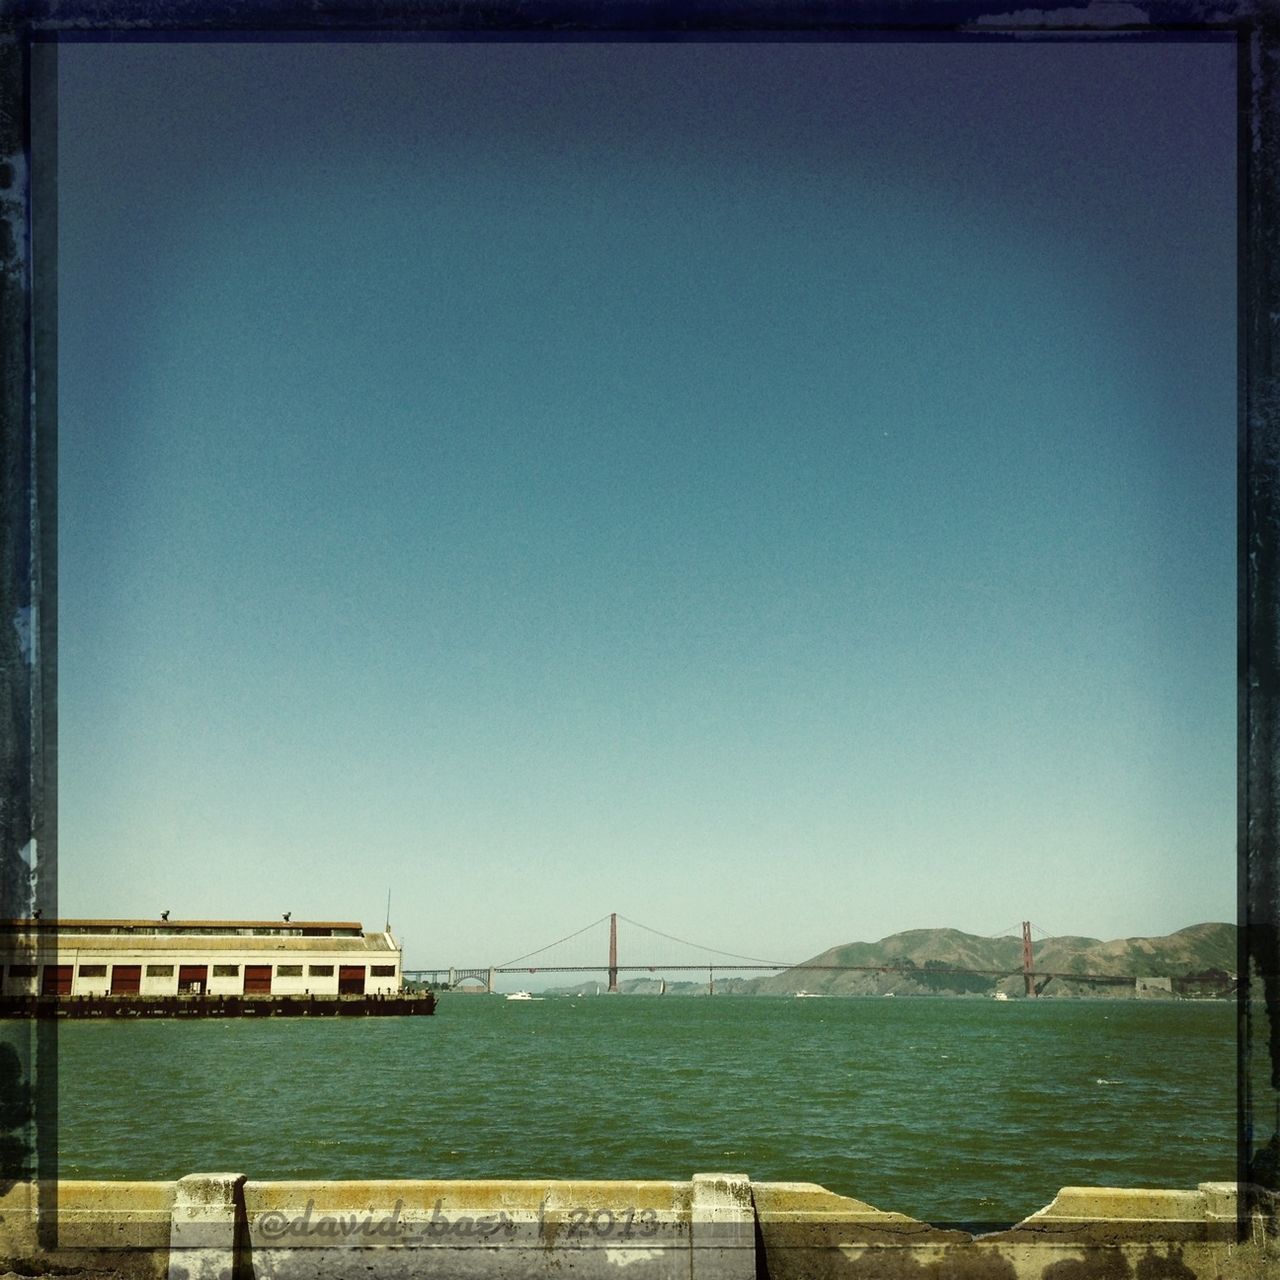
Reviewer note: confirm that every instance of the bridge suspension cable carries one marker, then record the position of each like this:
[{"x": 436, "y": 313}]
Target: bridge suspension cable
[
  {"x": 567, "y": 938},
  {"x": 684, "y": 942},
  {"x": 1014, "y": 929}
]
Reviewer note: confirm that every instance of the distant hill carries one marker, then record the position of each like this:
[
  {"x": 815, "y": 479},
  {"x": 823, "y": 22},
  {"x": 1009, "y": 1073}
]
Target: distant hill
[{"x": 1197, "y": 949}]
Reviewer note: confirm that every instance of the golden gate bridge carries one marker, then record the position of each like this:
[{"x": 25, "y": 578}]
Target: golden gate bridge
[{"x": 1035, "y": 978}]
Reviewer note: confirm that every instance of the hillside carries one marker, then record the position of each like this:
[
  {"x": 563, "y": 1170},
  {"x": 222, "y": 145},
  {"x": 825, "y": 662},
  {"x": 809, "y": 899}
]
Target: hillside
[{"x": 1194, "y": 950}]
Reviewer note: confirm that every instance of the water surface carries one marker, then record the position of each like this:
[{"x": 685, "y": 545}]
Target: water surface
[{"x": 947, "y": 1109}]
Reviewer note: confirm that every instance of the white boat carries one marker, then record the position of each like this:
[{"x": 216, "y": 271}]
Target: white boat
[
  {"x": 810, "y": 995},
  {"x": 522, "y": 995},
  {"x": 999, "y": 995}
]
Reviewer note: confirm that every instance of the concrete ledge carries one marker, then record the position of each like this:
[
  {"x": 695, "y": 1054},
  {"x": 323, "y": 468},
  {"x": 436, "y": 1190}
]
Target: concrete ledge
[
  {"x": 808, "y": 1205},
  {"x": 809, "y": 1233},
  {"x": 716, "y": 1226},
  {"x": 116, "y": 1228},
  {"x": 700, "y": 1229},
  {"x": 1110, "y": 1215}
]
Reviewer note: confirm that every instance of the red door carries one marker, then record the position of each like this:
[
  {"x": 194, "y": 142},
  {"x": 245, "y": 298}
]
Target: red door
[
  {"x": 257, "y": 979},
  {"x": 125, "y": 979},
  {"x": 351, "y": 980},
  {"x": 56, "y": 980},
  {"x": 193, "y": 977}
]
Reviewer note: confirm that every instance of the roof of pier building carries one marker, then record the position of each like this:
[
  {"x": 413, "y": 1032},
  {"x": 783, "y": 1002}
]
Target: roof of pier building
[{"x": 208, "y": 935}]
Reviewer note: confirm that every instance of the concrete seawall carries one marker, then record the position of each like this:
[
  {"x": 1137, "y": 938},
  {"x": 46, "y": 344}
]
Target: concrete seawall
[{"x": 225, "y": 1226}]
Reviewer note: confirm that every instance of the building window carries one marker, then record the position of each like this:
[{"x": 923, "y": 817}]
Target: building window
[
  {"x": 288, "y": 971},
  {"x": 320, "y": 970},
  {"x": 226, "y": 970},
  {"x": 382, "y": 971},
  {"x": 22, "y": 971},
  {"x": 157, "y": 971},
  {"x": 93, "y": 970}
]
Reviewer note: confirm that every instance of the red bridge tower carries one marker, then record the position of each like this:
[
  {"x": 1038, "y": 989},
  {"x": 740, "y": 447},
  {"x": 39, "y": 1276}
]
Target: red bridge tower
[
  {"x": 1028, "y": 977},
  {"x": 613, "y": 952}
]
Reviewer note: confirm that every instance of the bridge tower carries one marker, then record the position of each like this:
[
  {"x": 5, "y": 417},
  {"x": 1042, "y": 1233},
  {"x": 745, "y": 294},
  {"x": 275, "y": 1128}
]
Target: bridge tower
[
  {"x": 613, "y": 952},
  {"x": 1028, "y": 977}
]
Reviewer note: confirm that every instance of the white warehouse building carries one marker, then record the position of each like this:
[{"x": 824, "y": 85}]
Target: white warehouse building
[{"x": 196, "y": 957}]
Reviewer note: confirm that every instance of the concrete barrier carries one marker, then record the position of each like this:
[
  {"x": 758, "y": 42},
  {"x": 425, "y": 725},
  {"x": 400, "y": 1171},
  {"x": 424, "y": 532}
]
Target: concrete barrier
[
  {"x": 717, "y": 1226},
  {"x": 808, "y": 1233},
  {"x": 465, "y": 1229},
  {"x": 119, "y": 1227}
]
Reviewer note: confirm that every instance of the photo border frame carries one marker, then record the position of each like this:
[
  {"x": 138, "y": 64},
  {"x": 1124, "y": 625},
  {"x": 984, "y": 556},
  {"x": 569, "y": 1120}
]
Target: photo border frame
[{"x": 30, "y": 34}]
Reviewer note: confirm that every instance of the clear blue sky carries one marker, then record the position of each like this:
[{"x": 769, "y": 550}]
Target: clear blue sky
[{"x": 782, "y": 493}]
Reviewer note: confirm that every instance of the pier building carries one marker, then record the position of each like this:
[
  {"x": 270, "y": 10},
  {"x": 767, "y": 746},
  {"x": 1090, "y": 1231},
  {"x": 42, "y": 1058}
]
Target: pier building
[{"x": 197, "y": 957}]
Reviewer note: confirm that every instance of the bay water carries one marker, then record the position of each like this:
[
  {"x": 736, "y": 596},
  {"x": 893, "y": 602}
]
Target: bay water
[{"x": 951, "y": 1110}]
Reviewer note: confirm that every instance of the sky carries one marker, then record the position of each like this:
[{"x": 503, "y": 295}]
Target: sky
[{"x": 782, "y": 493}]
